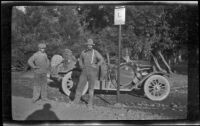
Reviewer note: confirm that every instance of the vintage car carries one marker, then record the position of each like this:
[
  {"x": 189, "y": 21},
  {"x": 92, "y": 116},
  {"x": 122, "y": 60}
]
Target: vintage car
[{"x": 134, "y": 75}]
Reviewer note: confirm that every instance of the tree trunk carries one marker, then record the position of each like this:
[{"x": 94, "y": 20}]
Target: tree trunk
[
  {"x": 180, "y": 58},
  {"x": 154, "y": 68},
  {"x": 169, "y": 62},
  {"x": 165, "y": 62},
  {"x": 108, "y": 58},
  {"x": 157, "y": 64}
]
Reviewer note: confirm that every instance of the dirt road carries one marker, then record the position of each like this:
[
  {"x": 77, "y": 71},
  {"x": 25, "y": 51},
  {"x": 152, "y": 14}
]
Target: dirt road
[{"x": 134, "y": 106}]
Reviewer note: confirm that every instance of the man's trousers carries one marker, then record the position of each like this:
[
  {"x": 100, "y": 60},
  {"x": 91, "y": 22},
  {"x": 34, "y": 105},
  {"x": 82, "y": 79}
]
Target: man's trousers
[
  {"x": 40, "y": 86},
  {"x": 89, "y": 74}
]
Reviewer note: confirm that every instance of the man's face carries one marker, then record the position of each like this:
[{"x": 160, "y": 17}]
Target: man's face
[
  {"x": 42, "y": 50},
  {"x": 89, "y": 46}
]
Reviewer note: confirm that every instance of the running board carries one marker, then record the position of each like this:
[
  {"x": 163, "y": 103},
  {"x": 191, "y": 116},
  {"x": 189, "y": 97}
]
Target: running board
[{"x": 112, "y": 89}]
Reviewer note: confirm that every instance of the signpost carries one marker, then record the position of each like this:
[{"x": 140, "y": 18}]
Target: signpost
[
  {"x": 119, "y": 15},
  {"x": 119, "y": 20}
]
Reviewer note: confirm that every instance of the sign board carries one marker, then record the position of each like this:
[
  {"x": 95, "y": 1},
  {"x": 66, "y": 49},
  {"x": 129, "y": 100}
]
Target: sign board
[{"x": 119, "y": 15}]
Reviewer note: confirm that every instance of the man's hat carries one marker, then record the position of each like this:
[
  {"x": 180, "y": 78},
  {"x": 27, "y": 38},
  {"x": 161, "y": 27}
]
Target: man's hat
[
  {"x": 89, "y": 42},
  {"x": 67, "y": 51},
  {"x": 41, "y": 45}
]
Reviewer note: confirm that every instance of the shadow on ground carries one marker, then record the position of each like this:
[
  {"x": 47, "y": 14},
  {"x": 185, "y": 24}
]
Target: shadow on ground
[
  {"x": 43, "y": 114},
  {"x": 54, "y": 83}
]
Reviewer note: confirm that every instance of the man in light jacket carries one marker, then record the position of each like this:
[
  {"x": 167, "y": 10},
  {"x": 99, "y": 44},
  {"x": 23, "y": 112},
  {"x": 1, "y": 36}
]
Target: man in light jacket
[
  {"x": 40, "y": 63},
  {"x": 90, "y": 60}
]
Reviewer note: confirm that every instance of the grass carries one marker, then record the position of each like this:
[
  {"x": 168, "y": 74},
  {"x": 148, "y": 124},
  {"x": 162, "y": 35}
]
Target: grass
[{"x": 181, "y": 68}]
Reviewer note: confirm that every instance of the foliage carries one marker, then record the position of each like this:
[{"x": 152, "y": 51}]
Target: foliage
[
  {"x": 145, "y": 29},
  {"x": 148, "y": 29},
  {"x": 58, "y": 27}
]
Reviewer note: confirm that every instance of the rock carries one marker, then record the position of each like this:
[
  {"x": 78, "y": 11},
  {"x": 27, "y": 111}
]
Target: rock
[
  {"x": 119, "y": 105},
  {"x": 123, "y": 105},
  {"x": 122, "y": 115},
  {"x": 158, "y": 105},
  {"x": 126, "y": 103},
  {"x": 163, "y": 105},
  {"x": 56, "y": 99},
  {"x": 132, "y": 104},
  {"x": 173, "y": 105}
]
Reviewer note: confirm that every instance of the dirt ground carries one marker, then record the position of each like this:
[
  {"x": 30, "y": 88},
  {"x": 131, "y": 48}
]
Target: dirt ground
[{"x": 133, "y": 105}]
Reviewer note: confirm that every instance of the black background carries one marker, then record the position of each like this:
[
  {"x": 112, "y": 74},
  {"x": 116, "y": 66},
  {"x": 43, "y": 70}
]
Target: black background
[{"x": 193, "y": 70}]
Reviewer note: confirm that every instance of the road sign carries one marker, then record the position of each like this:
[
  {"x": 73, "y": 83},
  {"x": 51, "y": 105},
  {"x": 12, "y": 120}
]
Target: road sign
[
  {"x": 119, "y": 20},
  {"x": 119, "y": 15}
]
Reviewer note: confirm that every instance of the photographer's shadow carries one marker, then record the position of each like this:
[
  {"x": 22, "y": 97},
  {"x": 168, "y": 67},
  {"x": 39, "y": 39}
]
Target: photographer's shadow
[{"x": 43, "y": 114}]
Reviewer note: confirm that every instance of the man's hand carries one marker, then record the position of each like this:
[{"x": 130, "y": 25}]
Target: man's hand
[
  {"x": 35, "y": 67},
  {"x": 82, "y": 66},
  {"x": 48, "y": 75},
  {"x": 95, "y": 65}
]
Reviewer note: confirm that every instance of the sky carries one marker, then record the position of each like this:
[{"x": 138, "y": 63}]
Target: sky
[{"x": 22, "y": 8}]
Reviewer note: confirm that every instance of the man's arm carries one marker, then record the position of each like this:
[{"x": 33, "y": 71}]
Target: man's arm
[
  {"x": 100, "y": 58},
  {"x": 74, "y": 58},
  {"x": 31, "y": 61},
  {"x": 48, "y": 62},
  {"x": 81, "y": 60}
]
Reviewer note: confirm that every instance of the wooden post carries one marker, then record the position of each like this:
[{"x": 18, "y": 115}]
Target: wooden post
[
  {"x": 119, "y": 57},
  {"x": 119, "y": 20}
]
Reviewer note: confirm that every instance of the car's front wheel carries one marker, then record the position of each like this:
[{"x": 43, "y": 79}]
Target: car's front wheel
[{"x": 156, "y": 88}]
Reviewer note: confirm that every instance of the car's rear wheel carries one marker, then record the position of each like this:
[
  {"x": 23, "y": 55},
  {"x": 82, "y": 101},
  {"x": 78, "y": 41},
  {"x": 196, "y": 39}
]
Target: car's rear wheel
[
  {"x": 126, "y": 75},
  {"x": 68, "y": 84}
]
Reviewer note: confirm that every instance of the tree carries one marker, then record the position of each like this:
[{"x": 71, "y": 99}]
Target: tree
[
  {"x": 57, "y": 26},
  {"x": 157, "y": 31},
  {"x": 148, "y": 29}
]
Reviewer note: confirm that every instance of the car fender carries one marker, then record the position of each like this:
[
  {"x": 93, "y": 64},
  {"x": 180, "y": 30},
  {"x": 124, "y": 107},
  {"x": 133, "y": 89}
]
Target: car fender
[{"x": 150, "y": 74}]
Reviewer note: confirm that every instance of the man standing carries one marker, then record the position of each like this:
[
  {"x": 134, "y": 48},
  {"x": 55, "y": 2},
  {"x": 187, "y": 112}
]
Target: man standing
[
  {"x": 40, "y": 63},
  {"x": 90, "y": 60}
]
